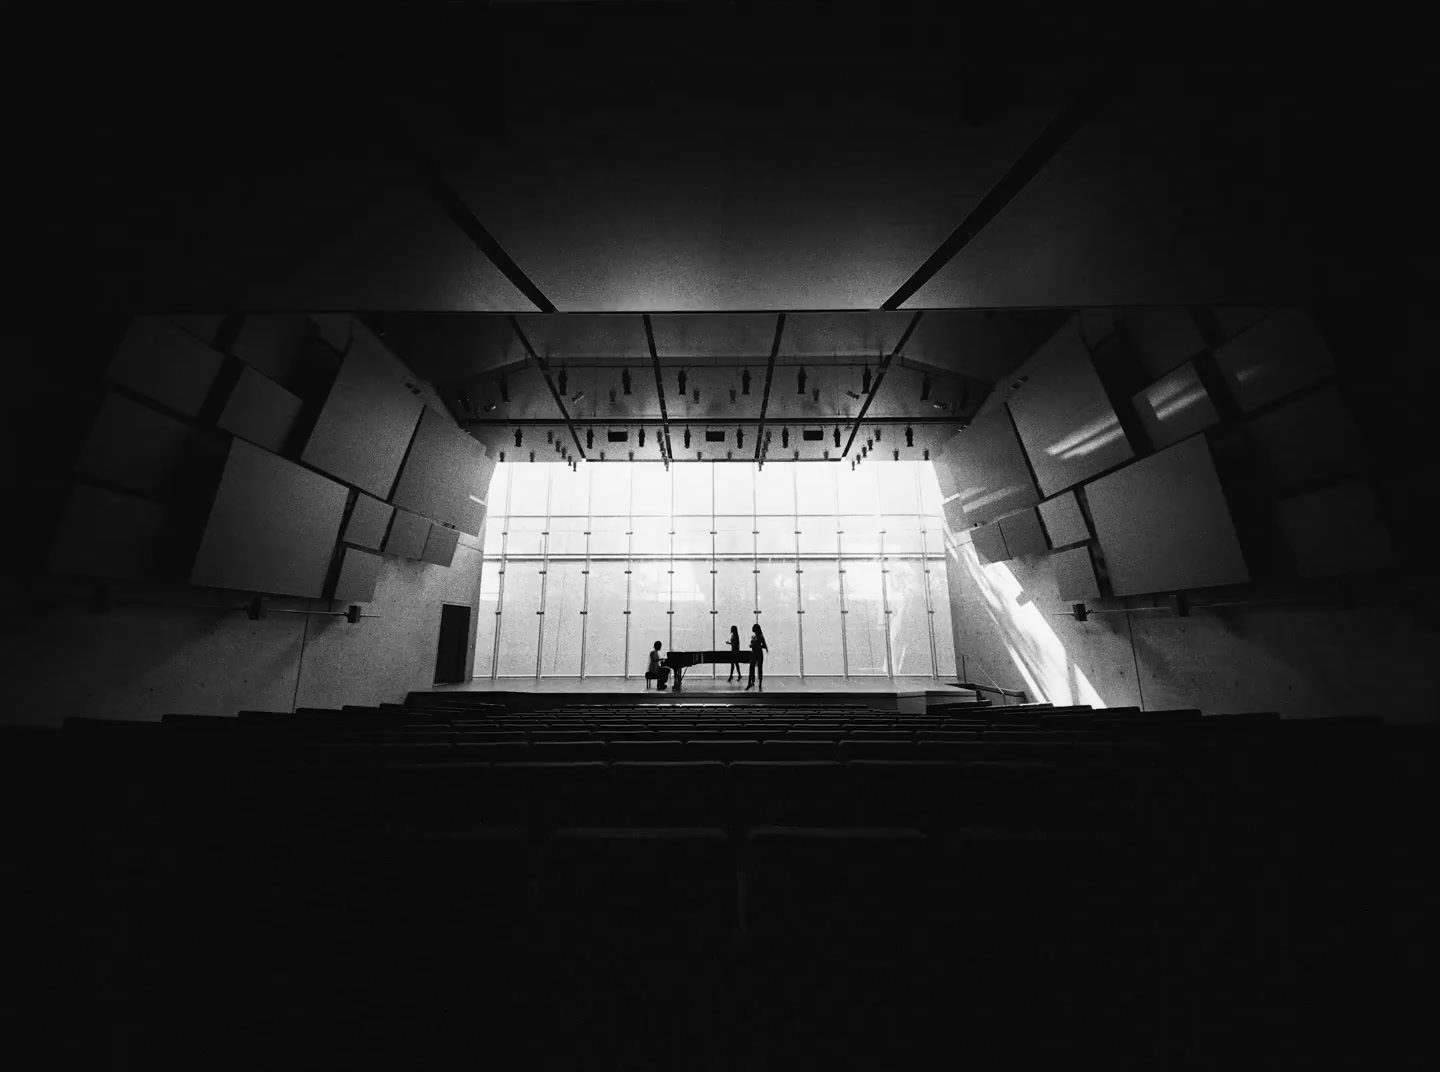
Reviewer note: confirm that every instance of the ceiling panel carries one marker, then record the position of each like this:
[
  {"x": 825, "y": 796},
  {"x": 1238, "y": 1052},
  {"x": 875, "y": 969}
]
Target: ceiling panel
[
  {"x": 1168, "y": 196},
  {"x": 556, "y": 336},
  {"x": 716, "y": 335},
  {"x": 831, "y": 383},
  {"x": 605, "y": 397},
  {"x": 446, "y": 348},
  {"x": 987, "y": 344},
  {"x": 870, "y": 334},
  {"x": 904, "y": 393}
]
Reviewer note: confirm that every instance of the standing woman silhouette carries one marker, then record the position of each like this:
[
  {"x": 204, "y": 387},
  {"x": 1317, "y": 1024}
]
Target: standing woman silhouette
[
  {"x": 734, "y": 643},
  {"x": 758, "y": 648}
]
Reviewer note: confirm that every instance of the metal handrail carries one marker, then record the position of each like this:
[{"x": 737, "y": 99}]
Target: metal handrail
[{"x": 994, "y": 685}]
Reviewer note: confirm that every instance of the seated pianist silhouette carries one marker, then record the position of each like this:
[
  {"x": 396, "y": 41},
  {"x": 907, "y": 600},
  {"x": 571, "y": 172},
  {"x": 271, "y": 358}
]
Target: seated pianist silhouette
[{"x": 658, "y": 672}]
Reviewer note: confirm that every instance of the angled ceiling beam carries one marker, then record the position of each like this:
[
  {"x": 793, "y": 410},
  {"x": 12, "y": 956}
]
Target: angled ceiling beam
[
  {"x": 879, "y": 379},
  {"x": 665, "y": 451},
  {"x": 554, "y": 393},
  {"x": 769, "y": 376},
  {"x": 1051, "y": 140}
]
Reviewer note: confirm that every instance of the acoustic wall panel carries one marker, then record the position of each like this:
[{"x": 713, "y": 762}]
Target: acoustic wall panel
[
  {"x": 1163, "y": 523},
  {"x": 1335, "y": 531},
  {"x": 1075, "y": 580},
  {"x": 334, "y": 329},
  {"x": 368, "y": 522},
  {"x": 1023, "y": 535},
  {"x": 989, "y": 470},
  {"x": 440, "y": 546},
  {"x": 1063, "y": 520},
  {"x": 359, "y": 572},
  {"x": 137, "y": 447},
  {"x": 444, "y": 467},
  {"x": 1174, "y": 407},
  {"x": 204, "y": 326},
  {"x": 1064, "y": 417},
  {"x": 945, "y": 475},
  {"x": 161, "y": 361},
  {"x": 365, "y": 425},
  {"x": 1163, "y": 336},
  {"x": 1233, "y": 319},
  {"x": 274, "y": 344},
  {"x": 261, "y": 411},
  {"x": 272, "y": 528},
  {"x": 107, "y": 534},
  {"x": 1309, "y": 440},
  {"x": 989, "y": 544},
  {"x": 407, "y": 535},
  {"x": 472, "y": 517},
  {"x": 1282, "y": 353}
]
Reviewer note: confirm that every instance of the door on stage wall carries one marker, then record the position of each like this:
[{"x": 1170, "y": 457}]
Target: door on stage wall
[{"x": 454, "y": 636}]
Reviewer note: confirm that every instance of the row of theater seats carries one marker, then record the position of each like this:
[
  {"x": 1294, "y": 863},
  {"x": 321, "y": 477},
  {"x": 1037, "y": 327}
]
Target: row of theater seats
[{"x": 1188, "y": 893}]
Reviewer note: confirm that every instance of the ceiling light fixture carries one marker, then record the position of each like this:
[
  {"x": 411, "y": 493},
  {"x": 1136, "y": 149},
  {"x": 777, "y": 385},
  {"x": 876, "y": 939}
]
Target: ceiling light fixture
[
  {"x": 745, "y": 382},
  {"x": 577, "y": 396},
  {"x": 865, "y": 381},
  {"x": 837, "y": 435},
  {"x": 800, "y": 381},
  {"x": 564, "y": 379},
  {"x": 909, "y": 436},
  {"x": 489, "y": 407},
  {"x": 681, "y": 379},
  {"x": 925, "y": 389},
  {"x": 784, "y": 437},
  {"x": 625, "y": 380},
  {"x": 940, "y": 405},
  {"x": 589, "y": 439},
  {"x": 517, "y": 437},
  {"x": 740, "y": 438},
  {"x": 854, "y": 395}
]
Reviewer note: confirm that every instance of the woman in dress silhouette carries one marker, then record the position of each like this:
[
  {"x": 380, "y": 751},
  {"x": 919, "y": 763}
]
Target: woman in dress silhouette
[
  {"x": 758, "y": 648},
  {"x": 734, "y": 643}
]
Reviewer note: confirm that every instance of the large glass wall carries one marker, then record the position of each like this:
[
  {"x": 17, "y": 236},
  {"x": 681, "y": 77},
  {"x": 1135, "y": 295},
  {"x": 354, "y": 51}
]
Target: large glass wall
[{"x": 843, "y": 569}]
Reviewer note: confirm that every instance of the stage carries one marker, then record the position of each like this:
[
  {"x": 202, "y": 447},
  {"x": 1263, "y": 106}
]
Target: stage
[{"x": 900, "y": 694}]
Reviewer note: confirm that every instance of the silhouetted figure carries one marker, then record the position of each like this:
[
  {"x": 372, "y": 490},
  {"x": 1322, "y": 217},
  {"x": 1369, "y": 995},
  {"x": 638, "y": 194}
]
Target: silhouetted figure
[
  {"x": 758, "y": 648},
  {"x": 657, "y": 673},
  {"x": 734, "y": 643}
]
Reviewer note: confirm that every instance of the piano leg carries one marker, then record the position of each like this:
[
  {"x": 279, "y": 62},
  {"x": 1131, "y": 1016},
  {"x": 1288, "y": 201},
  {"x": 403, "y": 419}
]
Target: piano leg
[{"x": 679, "y": 677}]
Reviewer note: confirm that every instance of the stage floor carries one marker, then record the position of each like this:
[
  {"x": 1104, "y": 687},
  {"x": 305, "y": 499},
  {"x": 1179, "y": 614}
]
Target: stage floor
[{"x": 901, "y": 694}]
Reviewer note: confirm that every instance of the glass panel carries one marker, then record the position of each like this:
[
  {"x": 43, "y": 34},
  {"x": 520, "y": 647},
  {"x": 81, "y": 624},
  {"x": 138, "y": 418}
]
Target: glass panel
[
  {"x": 862, "y": 535},
  {"x": 527, "y": 536},
  {"x": 485, "y": 625},
  {"x": 775, "y": 491},
  {"x": 815, "y": 490},
  {"x": 529, "y": 490},
  {"x": 817, "y": 535},
  {"x": 864, "y": 618},
  {"x": 734, "y": 489},
  {"x": 902, "y": 535},
  {"x": 651, "y": 536},
  {"x": 649, "y": 607},
  {"x": 940, "y": 603},
  {"x": 692, "y": 536},
  {"x": 691, "y": 592},
  {"x": 694, "y": 487},
  {"x": 569, "y": 490},
  {"x": 898, "y": 493},
  {"x": 519, "y": 622},
  {"x": 735, "y": 536},
  {"x": 734, "y": 602},
  {"x": 934, "y": 537},
  {"x": 609, "y": 485},
  {"x": 608, "y": 536},
  {"x": 909, "y": 618},
  {"x": 822, "y": 623},
  {"x": 494, "y": 533},
  {"x": 649, "y": 490},
  {"x": 564, "y": 598},
  {"x": 567, "y": 537},
  {"x": 930, "y": 497},
  {"x": 776, "y": 598},
  {"x": 499, "y": 482},
  {"x": 605, "y": 624},
  {"x": 776, "y": 536},
  {"x": 856, "y": 489}
]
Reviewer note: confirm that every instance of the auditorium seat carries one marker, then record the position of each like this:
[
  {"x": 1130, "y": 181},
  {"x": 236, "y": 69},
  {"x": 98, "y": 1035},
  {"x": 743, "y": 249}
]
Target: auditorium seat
[
  {"x": 674, "y": 794},
  {"x": 801, "y": 793}
]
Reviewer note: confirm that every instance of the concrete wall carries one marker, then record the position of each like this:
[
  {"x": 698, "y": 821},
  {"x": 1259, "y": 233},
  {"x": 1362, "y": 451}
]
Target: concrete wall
[
  {"x": 1376, "y": 656},
  {"x": 145, "y": 662}
]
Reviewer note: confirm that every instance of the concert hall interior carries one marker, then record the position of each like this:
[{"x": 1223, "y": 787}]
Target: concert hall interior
[{"x": 1049, "y": 421}]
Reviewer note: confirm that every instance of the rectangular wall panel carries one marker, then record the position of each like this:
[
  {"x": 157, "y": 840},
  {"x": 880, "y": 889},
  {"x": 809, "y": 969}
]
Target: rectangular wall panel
[
  {"x": 1068, "y": 427},
  {"x": 440, "y": 544},
  {"x": 443, "y": 469},
  {"x": 365, "y": 425},
  {"x": 204, "y": 326},
  {"x": 1174, "y": 407},
  {"x": 1163, "y": 337},
  {"x": 161, "y": 361},
  {"x": 1282, "y": 353},
  {"x": 1163, "y": 523},
  {"x": 989, "y": 543},
  {"x": 261, "y": 411},
  {"x": 1023, "y": 534},
  {"x": 272, "y": 528},
  {"x": 275, "y": 344},
  {"x": 1335, "y": 531},
  {"x": 107, "y": 534},
  {"x": 369, "y": 521},
  {"x": 359, "y": 572},
  {"x": 1064, "y": 522},
  {"x": 1075, "y": 575},
  {"x": 1310, "y": 440},
  {"x": 137, "y": 447},
  {"x": 407, "y": 535},
  {"x": 989, "y": 470}
]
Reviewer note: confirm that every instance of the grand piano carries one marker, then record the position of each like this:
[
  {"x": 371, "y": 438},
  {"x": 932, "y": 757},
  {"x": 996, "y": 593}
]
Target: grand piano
[{"x": 680, "y": 661}]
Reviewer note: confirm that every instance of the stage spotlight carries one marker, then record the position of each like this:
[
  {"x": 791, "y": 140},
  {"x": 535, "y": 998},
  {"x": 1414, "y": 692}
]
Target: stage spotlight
[
  {"x": 517, "y": 437},
  {"x": 687, "y": 438},
  {"x": 897, "y": 454},
  {"x": 745, "y": 382},
  {"x": 625, "y": 380},
  {"x": 925, "y": 389},
  {"x": 877, "y": 433},
  {"x": 681, "y": 378},
  {"x": 564, "y": 380},
  {"x": 532, "y": 455},
  {"x": 589, "y": 439},
  {"x": 927, "y": 454},
  {"x": 800, "y": 381},
  {"x": 642, "y": 436},
  {"x": 504, "y": 390},
  {"x": 865, "y": 381},
  {"x": 837, "y": 435},
  {"x": 784, "y": 437},
  {"x": 740, "y": 438},
  {"x": 909, "y": 436}
]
